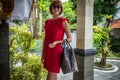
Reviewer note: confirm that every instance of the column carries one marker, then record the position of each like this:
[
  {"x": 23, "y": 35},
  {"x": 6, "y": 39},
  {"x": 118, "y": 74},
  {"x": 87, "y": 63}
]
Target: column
[
  {"x": 84, "y": 51},
  {"x": 4, "y": 51}
]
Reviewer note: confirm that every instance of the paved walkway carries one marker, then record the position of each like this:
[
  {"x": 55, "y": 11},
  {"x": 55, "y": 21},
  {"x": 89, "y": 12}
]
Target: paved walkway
[{"x": 99, "y": 74}]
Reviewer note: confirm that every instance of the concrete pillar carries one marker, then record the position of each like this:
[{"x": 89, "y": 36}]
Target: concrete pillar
[
  {"x": 84, "y": 23},
  {"x": 4, "y": 51},
  {"x": 84, "y": 51}
]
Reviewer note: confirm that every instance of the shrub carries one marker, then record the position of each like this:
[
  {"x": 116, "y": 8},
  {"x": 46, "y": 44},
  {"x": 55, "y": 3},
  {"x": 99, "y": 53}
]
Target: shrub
[{"x": 115, "y": 44}]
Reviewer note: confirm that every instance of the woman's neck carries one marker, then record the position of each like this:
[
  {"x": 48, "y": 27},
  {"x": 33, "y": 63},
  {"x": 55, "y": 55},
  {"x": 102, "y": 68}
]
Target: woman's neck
[{"x": 55, "y": 17}]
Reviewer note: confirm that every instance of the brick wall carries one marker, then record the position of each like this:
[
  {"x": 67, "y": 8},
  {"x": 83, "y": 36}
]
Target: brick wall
[{"x": 4, "y": 52}]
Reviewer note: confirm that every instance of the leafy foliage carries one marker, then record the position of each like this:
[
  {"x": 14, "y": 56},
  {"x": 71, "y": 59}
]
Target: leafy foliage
[
  {"x": 44, "y": 8},
  {"x": 69, "y": 13},
  {"x": 24, "y": 65},
  {"x": 100, "y": 35},
  {"x": 31, "y": 70},
  {"x": 104, "y": 7},
  {"x": 101, "y": 41},
  {"x": 104, "y": 11},
  {"x": 74, "y": 7}
]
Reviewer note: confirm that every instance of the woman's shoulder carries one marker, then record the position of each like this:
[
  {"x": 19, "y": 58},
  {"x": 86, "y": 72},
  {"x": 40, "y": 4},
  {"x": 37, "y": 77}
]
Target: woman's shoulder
[
  {"x": 64, "y": 19},
  {"x": 61, "y": 19}
]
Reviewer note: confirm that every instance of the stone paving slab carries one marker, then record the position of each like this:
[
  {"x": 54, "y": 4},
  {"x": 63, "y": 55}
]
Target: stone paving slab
[{"x": 98, "y": 75}]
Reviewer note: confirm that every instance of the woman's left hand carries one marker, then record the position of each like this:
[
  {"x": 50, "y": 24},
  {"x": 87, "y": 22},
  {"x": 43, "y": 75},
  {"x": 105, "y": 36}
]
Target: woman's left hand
[{"x": 52, "y": 45}]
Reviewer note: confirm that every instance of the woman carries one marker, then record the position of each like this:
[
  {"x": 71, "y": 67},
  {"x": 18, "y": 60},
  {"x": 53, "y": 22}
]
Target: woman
[{"x": 54, "y": 32}]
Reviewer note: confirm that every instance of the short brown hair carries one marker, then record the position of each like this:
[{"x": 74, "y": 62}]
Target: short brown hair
[{"x": 56, "y": 2}]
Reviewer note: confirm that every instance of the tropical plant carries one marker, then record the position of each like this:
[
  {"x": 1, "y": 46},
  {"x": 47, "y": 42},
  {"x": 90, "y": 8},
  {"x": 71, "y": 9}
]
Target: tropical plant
[
  {"x": 103, "y": 15},
  {"x": 109, "y": 7},
  {"x": 44, "y": 9},
  {"x": 101, "y": 42},
  {"x": 24, "y": 65}
]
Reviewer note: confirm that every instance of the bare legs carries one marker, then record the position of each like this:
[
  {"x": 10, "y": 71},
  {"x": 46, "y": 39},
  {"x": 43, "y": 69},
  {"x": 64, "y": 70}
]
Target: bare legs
[{"x": 51, "y": 76}]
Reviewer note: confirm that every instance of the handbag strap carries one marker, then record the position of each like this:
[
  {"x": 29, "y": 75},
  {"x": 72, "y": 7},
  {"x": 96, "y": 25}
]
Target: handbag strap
[{"x": 66, "y": 43}]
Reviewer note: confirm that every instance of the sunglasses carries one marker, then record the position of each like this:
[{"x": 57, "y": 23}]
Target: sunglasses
[{"x": 54, "y": 7}]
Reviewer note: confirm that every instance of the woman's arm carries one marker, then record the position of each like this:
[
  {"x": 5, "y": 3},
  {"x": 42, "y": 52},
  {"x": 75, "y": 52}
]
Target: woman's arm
[{"x": 67, "y": 31}]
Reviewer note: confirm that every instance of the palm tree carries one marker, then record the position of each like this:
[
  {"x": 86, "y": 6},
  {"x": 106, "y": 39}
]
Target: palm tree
[{"x": 104, "y": 9}]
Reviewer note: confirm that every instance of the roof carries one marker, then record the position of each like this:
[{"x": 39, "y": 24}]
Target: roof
[{"x": 115, "y": 24}]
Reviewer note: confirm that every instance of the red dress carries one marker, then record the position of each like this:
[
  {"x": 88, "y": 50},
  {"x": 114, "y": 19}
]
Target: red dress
[{"x": 54, "y": 31}]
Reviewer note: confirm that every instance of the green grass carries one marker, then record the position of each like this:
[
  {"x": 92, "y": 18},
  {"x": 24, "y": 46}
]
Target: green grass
[{"x": 114, "y": 55}]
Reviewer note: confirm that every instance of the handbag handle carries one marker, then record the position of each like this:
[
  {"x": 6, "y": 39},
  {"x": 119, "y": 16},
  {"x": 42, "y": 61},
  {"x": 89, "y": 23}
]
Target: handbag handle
[{"x": 65, "y": 42}]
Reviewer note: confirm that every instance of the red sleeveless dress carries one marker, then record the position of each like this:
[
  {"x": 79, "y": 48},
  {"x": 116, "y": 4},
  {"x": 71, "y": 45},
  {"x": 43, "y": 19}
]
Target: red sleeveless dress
[{"x": 54, "y": 31}]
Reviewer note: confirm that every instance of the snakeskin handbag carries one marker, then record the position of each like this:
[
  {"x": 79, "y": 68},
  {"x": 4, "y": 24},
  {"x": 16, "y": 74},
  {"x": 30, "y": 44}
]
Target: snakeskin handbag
[{"x": 68, "y": 60}]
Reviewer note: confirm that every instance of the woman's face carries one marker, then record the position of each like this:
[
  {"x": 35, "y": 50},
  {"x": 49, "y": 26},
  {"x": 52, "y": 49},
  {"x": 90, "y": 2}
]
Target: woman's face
[{"x": 56, "y": 9}]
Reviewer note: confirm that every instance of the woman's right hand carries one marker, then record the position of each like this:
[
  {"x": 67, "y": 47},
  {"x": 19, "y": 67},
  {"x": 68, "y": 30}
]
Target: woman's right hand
[
  {"x": 52, "y": 45},
  {"x": 42, "y": 59}
]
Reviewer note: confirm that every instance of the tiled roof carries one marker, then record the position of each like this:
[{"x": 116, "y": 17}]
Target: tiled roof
[{"x": 115, "y": 24}]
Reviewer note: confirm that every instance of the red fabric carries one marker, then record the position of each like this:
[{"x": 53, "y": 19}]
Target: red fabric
[{"x": 54, "y": 31}]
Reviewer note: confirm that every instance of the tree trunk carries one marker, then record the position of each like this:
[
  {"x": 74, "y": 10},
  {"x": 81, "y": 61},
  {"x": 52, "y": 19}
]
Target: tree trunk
[
  {"x": 103, "y": 59},
  {"x": 40, "y": 17},
  {"x": 108, "y": 22},
  {"x": 95, "y": 22}
]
